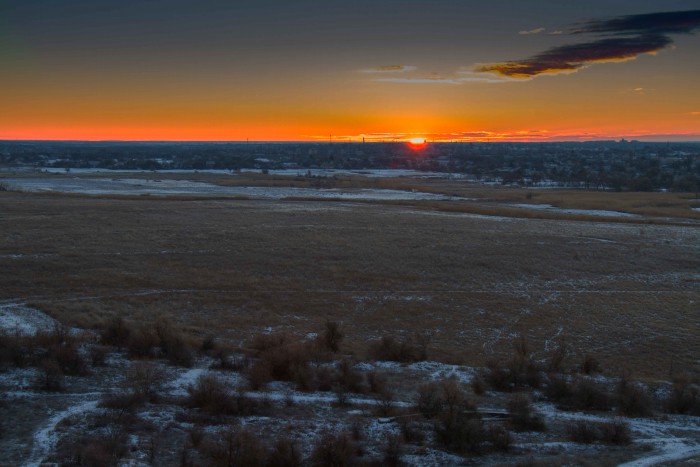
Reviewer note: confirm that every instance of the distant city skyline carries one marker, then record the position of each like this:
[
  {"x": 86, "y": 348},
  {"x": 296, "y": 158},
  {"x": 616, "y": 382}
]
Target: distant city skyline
[{"x": 311, "y": 70}]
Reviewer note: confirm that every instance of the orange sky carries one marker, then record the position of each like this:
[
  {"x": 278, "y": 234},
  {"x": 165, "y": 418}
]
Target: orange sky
[{"x": 129, "y": 73}]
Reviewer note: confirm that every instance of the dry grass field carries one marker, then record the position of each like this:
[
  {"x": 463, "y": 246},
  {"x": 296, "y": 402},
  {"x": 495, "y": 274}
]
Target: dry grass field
[{"x": 625, "y": 290}]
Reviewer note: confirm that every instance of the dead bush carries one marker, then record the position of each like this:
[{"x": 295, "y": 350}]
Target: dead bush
[
  {"x": 98, "y": 355},
  {"x": 213, "y": 396},
  {"x": 286, "y": 359},
  {"x": 145, "y": 379},
  {"x": 408, "y": 350},
  {"x": 104, "y": 449},
  {"x": 16, "y": 349},
  {"x": 438, "y": 397},
  {"x": 332, "y": 336},
  {"x": 236, "y": 447},
  {"x": 633, "y": 399},
  {"x": 336, "y": 450},
  {"x": 173, "y": 344},
  {"x": 460, "y": 432},
  {"x": 588, "y": 432},
  {"x": 522, "y": 417},
  {"x": 259, "y": 374},
  {"x": 393, "y": 449},
  {"x": 122, "y": 402},
  {"x": 349, "y": 378},
  {"x": 684, "y": 397},
  {"x": 143, "y": 343},
  {"x": 498, "y": 438},
  {"x": 115, "y": 332},
  {"x": 50, "y": 376},
  {"x": 285, "y": 453},
  {"x": 558, "y": 389},
  {"x": 209, "y": 393},
  {"x": 478, "y": 384},
  {"x": 590, "y": 365},
  {"x": 377, "y": 382},
  {"x": 411, "y": 431},
  {"x": 587, "y": 394}
]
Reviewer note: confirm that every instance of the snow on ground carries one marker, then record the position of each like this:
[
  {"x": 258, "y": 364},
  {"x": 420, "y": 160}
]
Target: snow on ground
[
  {"x": 103, "y": 186},
  {"x": 589, "y": 212},
  {"x": 46, "y": 438},
  {"x": 16, "y": 317},
  {"x": 674, "y": 438}
]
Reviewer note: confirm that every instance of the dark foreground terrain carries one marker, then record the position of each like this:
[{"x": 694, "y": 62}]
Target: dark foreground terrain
[{"x": 461, "y": 288}]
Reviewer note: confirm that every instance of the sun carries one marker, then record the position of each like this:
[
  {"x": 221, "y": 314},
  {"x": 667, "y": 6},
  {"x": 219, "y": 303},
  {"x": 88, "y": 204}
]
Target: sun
[{"x": 417, "y": 141}]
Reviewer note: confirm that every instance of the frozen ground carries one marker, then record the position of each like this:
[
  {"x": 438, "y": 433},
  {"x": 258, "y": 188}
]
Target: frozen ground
[
  {"x": 655, "y": 440},
  {"x": 127, "y": 186},
  {"x": 373, "y": 173},
  {"x": 589, "y": 212}
]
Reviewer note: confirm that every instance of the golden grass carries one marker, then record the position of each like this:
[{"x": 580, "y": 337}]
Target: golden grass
[{"x": 626, "y": 292}]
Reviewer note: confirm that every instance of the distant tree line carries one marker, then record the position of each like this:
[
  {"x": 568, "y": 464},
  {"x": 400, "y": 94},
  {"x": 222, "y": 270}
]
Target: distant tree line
[{"x": 601, "y": 165}]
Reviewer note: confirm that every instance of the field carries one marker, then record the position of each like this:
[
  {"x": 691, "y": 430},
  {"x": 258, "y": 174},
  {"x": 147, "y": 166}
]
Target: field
[{"x": 468, "y": 277}]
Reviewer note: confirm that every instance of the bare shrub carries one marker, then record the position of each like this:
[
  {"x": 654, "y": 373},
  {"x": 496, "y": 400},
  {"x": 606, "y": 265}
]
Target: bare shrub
[
  {"x": 348, "y": 377},
  {"x": 259, "y": 374},
  {"x": 429, "y": 400},
  {"x": 393, "y": 451},
  {"x": 145, "y": 379},
  {"x": 408, "y": 350},
  {"x": 16, "y": 349},
  {"x": 522, "y": 417},
  {"x": 209, "y": 393},
  {"x": 478, "y": 384},
  {"x": 377, "y": 382},
  {"x": 590, "y": 365},
  {"x": 587, "y": 394},
  {"x": 588, "y": 432},
  {"x": 558, "y": 389},
  {"x": 115, "y": 332},
  {"x": 100, "y": 450},
  {"x": 98, "y": 355},
  {"x": 236, "y": 447},
  {"x": 122, "y": 402},
  {"x": 285, "y": 453},
  {"x": 336, "y": 450},
  {"x": 195, "y": 435},
  {"x": 460, "y": 432},
  {"x": 438, "y": 397},
  {"x": 520, "y": 371},
  {"x": 173, "y": 344},
  {"x": 143, "y": 343},
  {"x": 411, "y": 431},
  {"x": 287, "y": 360},
  {"x": 498, "y": 438},
  {"x": 213, "y": 397},
  {"x": 332, "y": 336},
  {"x": 684, "y": 397},
  {"x": 50, "y": 376},
  {"x": 633, "y": 400}
]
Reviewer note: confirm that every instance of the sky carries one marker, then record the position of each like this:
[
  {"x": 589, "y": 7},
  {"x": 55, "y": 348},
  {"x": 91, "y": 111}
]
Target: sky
[{"x": 307, "y": 70}]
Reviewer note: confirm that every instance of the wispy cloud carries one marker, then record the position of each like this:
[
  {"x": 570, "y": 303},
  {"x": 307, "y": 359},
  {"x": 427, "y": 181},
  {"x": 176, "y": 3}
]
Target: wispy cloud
[
  {"x": 570, "y": 58},
  {"x": 695, "y": 114},
  {"x": 391, "y": 69},
  {"x": 628, "y": 37},
  {"x": 672, "y": 22},
  {"x": 531, "y": 31}
]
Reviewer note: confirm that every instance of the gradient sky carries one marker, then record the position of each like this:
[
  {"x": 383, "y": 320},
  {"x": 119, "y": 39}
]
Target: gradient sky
[{"x": 303, "y": 70}]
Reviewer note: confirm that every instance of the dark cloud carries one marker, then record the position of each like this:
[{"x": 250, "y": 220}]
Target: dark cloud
[
  {"x": 673, "y": 22},
  {"x": 629, "y": 37},
  {"x": 570, "y": 58}
]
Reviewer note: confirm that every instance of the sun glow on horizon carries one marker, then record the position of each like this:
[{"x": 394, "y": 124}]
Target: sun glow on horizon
[{"x": 416, "y": 142}]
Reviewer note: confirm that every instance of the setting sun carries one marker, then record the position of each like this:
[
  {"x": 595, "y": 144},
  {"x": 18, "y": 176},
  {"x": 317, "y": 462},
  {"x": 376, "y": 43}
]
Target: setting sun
[{"x": 417, "y": 141}]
